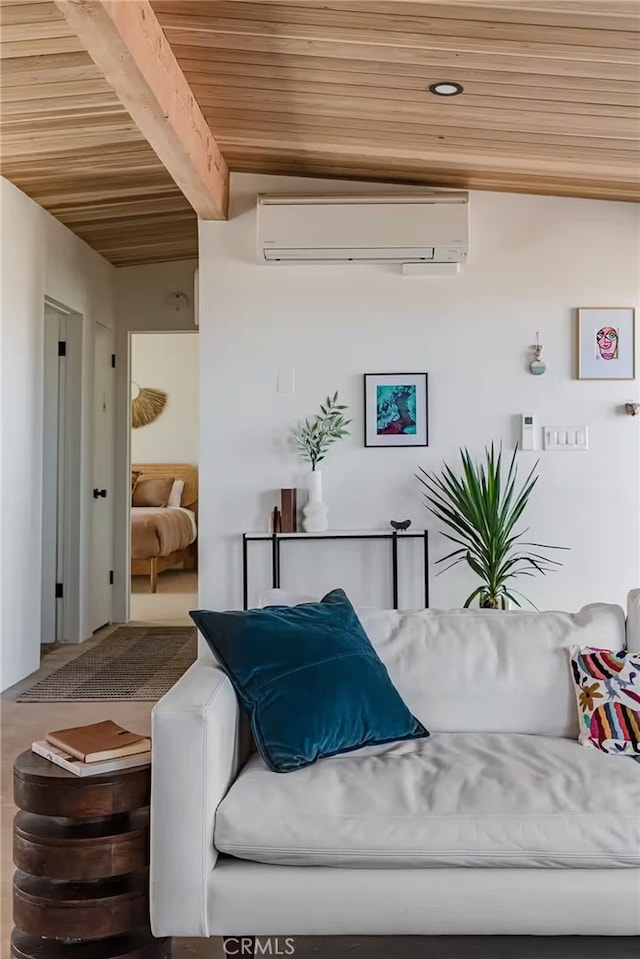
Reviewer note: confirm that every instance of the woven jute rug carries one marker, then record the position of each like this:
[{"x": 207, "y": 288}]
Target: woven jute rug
[{"x": 134, "y": 662}]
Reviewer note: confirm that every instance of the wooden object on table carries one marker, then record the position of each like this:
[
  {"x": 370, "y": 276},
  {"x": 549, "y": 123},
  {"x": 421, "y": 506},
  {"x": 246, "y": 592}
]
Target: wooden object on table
[
  {"x": 289, "y": 511},
  {"x": 81, "y": 847}
]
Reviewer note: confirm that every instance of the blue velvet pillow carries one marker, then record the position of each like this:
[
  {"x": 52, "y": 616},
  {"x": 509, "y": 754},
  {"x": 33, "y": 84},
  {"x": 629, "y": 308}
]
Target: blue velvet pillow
[{"x": 309, "y": 678}]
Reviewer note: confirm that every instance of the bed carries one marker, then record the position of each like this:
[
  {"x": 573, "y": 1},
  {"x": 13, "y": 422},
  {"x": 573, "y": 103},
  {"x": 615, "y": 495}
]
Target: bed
[{"x": 165, "y": 537}]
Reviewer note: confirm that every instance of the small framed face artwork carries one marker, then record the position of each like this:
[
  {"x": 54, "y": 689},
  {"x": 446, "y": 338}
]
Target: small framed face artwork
[
  {"x": 606, "y": 343},
  {"x": 396, "y": 409}
]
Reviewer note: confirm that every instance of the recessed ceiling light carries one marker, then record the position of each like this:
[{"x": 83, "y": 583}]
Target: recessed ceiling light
[{"x": 446, "y": 88}]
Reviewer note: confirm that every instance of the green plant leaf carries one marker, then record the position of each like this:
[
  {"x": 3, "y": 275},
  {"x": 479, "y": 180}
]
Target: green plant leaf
[
  {"x": 480, "y": 507},
  {"x": 456, "y": 562},
  {"x": 315, "y": 436},
  {"x": 470, "y": 599},
  {"x": 456, "y": 552}
]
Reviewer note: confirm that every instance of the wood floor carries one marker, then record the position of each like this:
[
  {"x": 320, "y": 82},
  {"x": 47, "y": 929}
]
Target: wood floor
[{"x": 177, "y": 594}]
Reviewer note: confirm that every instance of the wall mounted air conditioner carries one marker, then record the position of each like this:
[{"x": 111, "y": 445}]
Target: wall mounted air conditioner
[{"x": 422, "y": 228}]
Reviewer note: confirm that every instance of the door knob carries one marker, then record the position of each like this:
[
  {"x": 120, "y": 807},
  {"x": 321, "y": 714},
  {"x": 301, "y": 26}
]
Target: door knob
[{"x": 97, "y": 493}]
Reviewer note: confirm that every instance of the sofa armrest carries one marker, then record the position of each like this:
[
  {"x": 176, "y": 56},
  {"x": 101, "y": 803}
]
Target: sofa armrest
[
  {"x": 196, "y": 756},
  {"x": 633, "y": 620}
]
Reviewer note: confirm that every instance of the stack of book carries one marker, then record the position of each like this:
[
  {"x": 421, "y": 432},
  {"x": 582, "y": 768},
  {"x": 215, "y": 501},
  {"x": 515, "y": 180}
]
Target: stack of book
[{"x": 95, "y": 749}]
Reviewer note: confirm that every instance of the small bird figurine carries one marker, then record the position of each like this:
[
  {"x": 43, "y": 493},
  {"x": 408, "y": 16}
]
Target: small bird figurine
[{"x": 400, "y": 525}]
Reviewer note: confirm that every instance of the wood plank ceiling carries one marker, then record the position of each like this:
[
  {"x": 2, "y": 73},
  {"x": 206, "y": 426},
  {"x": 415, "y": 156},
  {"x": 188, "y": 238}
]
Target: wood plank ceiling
[
  {"x": 337, "y": 88},
  {"x": 69, "y": 143}
]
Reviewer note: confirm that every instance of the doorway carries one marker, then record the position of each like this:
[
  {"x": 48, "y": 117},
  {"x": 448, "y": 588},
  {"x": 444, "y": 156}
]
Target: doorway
[
  {"x": 61, "y": 468},
  {"x": 103, "y": 478},
  {"x": 164, "y": 454},
  {"x": 77, "y": 539}
]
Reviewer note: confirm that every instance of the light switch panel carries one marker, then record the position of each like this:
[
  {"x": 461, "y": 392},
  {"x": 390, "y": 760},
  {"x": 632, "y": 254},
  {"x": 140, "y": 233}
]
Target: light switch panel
[
  {"x": 286, "y": 381},
  {"x": 568, "y": 439}
]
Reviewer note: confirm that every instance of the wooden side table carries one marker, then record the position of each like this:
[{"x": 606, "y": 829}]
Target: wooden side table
[{"x": 81, "y": 847}]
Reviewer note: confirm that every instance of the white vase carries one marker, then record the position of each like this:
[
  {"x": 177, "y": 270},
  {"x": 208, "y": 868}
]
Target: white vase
[{"x": 315, "y": 516}]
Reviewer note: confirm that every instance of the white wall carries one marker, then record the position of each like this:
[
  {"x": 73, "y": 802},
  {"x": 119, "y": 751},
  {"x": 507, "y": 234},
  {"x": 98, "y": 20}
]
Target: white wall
[
  {"x": 143, "y": 304},
  {"x": 534, "y": 259},
  {"x": 39, "y": 257},
  {"x": 169, "y": 362}
]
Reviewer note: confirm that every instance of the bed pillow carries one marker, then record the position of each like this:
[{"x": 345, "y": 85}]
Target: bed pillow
[
  {"x": 175, "y": 496},
  {"x": 310, "y": 680},
  {"x": 152, "y": 491},
  {"x": 135, "y": 476},
  {"x": 608, "y": 693}
]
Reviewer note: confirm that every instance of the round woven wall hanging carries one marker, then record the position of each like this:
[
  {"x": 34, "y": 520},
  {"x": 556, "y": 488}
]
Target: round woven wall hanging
[{"x": 147, "y": 405}]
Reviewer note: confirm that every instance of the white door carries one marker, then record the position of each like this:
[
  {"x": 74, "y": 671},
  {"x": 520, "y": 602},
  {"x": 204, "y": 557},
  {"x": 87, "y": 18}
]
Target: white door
[
  {"x": 53, "y": 476},
  {"x": 103, "y": 474}
]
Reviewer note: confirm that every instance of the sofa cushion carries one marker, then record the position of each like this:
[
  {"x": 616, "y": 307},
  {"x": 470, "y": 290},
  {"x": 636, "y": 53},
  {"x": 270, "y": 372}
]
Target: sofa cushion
[
  {"x": 496, "y": 671},
  {"x": 608, "y": 693},
  {"x": 487, "y": 670},
  {"x": 478, "y": 799},
  {"x": 309, "y": 678}
]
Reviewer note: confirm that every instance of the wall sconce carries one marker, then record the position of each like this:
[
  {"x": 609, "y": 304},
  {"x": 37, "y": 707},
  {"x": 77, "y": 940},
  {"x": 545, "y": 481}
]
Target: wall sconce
[
  {"x": 537, "y": 366},
  {"x": 633, "y": 409}
]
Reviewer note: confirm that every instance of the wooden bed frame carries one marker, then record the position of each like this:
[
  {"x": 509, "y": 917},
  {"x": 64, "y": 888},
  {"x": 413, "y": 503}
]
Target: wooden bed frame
[{"x": 188, "y": 557}]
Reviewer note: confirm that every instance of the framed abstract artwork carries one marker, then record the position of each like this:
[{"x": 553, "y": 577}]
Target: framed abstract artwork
[
  {"x": 606, "y": 343},
  {"x": 396, "y": 409}
]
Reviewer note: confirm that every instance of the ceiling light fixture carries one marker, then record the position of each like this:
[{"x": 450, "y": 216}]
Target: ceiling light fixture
[{"x": 446, "y": 88}]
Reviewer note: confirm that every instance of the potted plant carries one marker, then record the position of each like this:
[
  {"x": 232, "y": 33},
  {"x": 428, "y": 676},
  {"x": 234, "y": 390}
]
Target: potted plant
[
  {"x": 313, "y": 438},
  {"x": 481, "y": 510}
]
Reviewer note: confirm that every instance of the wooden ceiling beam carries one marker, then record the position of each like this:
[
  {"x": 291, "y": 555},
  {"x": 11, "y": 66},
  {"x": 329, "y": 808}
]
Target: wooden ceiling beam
[{"x": 128, "y": 45}]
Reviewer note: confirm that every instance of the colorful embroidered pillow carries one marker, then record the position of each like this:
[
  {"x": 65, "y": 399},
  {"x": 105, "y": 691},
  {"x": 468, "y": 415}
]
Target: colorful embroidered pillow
[{"x": 608, "y": 693}]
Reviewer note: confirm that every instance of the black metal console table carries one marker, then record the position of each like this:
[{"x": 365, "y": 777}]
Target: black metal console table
[{"x": 276, "y": 539}]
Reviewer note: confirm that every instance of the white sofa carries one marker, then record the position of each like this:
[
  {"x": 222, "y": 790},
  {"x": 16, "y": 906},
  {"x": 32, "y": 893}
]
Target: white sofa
[{"x": 498, "y": 823}]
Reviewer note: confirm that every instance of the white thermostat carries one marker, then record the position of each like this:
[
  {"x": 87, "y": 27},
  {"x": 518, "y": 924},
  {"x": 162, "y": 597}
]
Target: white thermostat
[{"x": 528, "y": 432}]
